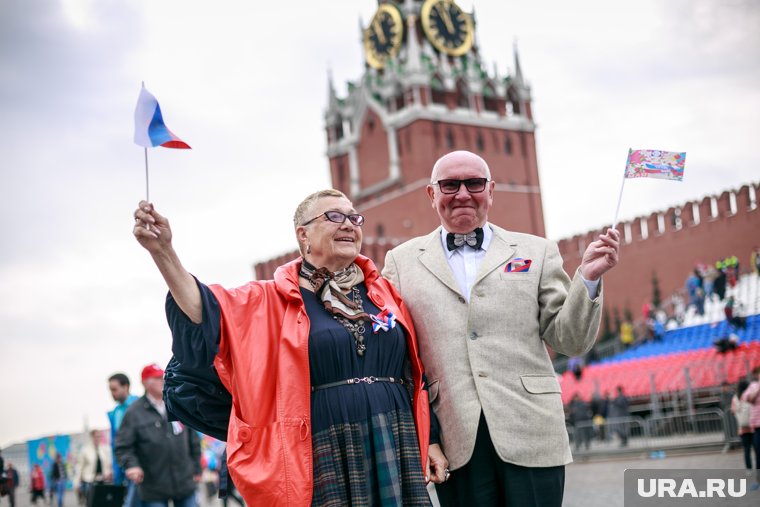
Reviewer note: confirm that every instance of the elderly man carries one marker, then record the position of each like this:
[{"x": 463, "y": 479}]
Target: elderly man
[
  {"x": 161, "y": 457},
  {"x": 485, "y": 303}
]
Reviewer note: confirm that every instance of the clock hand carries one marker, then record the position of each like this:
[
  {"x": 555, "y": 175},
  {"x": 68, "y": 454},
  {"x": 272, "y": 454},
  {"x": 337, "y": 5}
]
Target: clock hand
[
  {"x": 443, "y": 12},
  {"x": 379, "y": 30}
]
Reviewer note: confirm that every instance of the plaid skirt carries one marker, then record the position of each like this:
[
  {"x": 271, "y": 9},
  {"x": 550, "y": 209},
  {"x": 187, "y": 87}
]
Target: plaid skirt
[{"x": 369, "y": 463}]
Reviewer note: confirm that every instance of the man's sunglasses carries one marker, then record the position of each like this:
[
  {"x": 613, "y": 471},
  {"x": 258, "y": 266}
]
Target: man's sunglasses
[{"x": 473, "y": 185}]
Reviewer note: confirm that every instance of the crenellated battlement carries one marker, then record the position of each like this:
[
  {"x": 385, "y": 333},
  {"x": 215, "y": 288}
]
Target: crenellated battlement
[
  {"x": 669, "y": 243},
  {"x": 691, "y": 215}
]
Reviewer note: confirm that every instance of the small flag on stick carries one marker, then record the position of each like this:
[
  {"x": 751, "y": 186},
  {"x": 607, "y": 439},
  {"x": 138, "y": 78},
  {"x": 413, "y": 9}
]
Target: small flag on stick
[
  {"x": 665, "y": 165},
  {"x": 150, "y": 130}
]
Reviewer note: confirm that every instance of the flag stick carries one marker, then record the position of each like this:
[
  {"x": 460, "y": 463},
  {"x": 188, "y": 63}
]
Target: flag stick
[
  {"x": 147, "y": 180},
  {"x": 620, "y": 199},
  {"x": 147, "y": 183}
]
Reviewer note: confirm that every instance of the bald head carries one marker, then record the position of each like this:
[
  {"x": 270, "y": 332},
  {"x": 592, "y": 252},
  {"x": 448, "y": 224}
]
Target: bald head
[
  {"x": 465, "y": 209},
  {"x": 460, "y": 158}
]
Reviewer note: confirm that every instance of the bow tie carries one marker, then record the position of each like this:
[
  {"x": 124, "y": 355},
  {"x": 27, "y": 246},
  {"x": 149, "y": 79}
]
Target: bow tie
[{"x": 474, "y": 239}]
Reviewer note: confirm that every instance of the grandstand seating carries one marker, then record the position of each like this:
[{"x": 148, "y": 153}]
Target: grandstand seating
[{"x": 663, "y": 364}]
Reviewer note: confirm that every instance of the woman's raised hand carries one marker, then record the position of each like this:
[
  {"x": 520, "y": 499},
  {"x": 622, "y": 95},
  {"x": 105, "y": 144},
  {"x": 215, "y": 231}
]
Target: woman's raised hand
[{"x": 151, "y": 229}]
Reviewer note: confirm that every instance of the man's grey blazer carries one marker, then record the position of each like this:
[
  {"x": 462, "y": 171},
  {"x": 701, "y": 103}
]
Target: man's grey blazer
[{"x": 489, "y": 354}]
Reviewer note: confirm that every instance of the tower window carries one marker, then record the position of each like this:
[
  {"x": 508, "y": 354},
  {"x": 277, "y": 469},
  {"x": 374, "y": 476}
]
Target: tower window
[
  {"x": 449, "y": 138},
  {"x": 507, "y": 146},
  {"x": 479, "y": 141}
]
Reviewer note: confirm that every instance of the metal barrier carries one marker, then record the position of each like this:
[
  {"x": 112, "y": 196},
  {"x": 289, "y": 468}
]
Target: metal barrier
[{"x": 695, "y": 429}]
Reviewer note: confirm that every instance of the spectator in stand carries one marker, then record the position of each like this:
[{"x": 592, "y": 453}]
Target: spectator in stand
[
  {"x": 732, "y": 270},
  {"x": 626, "y": 334},
  {"x": 726, "y": 343},
  {"x": 719, "y": 286},
  {"x": 693, "y": 287},
  {"x": 679, "y": 307},
  {"x": 655, "y": 330},
  {"x": 38, "y": 484},
  {"x": 733, "y": 310},
  {"x": 755, "y": 260},
  {"x": 752, "y": 396},
  {"x": 708, "y": 281},
  {"x": 741, "y": 411},
  {"x": 646, "y": 310}
]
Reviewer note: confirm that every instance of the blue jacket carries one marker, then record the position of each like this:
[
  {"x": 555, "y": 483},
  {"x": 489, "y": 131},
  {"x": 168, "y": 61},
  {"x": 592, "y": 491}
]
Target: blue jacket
[{"x": 115, "y": 417}]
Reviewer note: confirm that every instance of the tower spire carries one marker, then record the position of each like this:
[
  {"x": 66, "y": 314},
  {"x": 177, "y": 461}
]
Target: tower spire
[{"x": 519, "y": 80}]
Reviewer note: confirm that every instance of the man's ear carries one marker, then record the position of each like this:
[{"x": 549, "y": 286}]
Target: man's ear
[{"x": 431, "y": 194}]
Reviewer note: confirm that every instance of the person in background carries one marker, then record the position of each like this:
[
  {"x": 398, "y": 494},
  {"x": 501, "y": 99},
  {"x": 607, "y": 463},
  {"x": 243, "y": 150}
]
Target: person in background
[
  {"x": 741, "y": 411},
  {"x": 580, "y": 418},
  {"x": 37, "y": 486},
  {"x": 161, "y": 457},
  {"x": 618, "y": 409},
  {"x": 752, "y": 396},
  {"x": 755, "y": 260},
  {"x": 58, "y": 476},
  {"x": 11, "y": 480},
  {"x": 93, "y": 464},
  {"x": 119, "y": 385}
]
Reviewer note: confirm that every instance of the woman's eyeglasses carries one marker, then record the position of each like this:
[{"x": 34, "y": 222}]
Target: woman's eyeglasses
[{"x": 339, "y": 218}]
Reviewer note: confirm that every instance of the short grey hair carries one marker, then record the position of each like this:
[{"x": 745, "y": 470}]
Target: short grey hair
[{"x": 303, "y": 209}]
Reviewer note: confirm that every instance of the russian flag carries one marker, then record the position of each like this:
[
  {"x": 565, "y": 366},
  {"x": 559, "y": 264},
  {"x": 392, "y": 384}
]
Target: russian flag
[{"x": 150, "y": 130}]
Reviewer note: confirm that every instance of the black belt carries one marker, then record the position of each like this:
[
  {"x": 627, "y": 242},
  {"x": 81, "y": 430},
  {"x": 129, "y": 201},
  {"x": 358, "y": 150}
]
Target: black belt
[{"x": 358, "y": 380}]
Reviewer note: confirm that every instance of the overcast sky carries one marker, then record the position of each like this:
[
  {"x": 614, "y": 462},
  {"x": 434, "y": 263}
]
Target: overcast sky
[{"x": 244, "y": 83}]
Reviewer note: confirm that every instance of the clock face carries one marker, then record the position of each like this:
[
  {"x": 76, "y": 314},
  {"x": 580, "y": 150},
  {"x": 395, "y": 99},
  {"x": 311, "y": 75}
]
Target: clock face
[
  {"x": 382, "y": 39},
  {"x": 447, "y": 27}
]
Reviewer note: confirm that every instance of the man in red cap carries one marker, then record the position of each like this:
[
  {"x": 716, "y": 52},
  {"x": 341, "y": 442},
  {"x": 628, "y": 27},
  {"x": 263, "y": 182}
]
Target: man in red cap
[{"x": 161, "y": 457}]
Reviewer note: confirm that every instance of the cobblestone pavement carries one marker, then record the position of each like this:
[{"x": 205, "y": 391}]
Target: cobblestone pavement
[{"x": 597, "y": 483}]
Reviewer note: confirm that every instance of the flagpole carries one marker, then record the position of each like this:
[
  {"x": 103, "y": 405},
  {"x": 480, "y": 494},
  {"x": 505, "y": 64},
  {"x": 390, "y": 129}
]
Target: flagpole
[
  {"x": 147, "y": 179},
  {"x": 622, "y": 185},
  {"x": 620, "y": 198}
]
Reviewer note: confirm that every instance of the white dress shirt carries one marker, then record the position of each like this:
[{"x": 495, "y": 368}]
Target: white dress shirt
[{"x": 465, "y": 262}]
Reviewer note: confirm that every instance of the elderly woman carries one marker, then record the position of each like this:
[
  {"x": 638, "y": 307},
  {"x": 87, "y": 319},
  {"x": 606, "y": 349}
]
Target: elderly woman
[{"x": 328, "y": 405}]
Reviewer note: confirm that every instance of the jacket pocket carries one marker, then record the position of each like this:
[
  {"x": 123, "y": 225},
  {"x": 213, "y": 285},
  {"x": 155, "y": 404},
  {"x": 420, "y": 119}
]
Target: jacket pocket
[{"x": 540, "y": 384}]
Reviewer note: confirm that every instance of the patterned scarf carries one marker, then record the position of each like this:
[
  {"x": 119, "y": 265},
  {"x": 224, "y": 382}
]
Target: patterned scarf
[{"x": 329, "y": 288}]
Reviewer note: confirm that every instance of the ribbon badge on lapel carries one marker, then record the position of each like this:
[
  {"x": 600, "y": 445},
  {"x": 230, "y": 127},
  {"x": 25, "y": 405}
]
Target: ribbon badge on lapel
[
  {"x": 518, "y": 265},
  {"x": 385, "y": 321}
]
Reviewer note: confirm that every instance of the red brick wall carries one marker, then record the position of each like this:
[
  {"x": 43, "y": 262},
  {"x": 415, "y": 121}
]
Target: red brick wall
[{"x": 672, "y": 254}]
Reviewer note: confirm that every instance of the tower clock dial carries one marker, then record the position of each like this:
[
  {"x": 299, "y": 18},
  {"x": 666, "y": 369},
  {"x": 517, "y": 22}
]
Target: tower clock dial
[
  {"x": 447, "y": 26},
  {"x": 382, "y": 39}
]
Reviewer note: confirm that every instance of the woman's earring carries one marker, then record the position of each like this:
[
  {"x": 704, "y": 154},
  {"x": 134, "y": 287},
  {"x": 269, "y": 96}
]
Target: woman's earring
[{"x": 308, "y": 248}]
